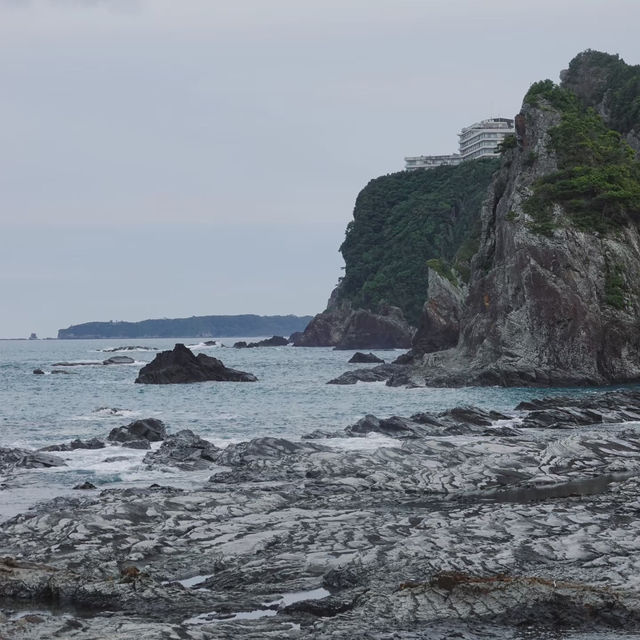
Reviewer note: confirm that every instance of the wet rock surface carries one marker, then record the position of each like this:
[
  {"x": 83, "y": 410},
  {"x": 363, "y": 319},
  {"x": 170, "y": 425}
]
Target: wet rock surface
[
  {"x": 359, "y": 357},
  {"x": 118, "y": 360},
  {"x": 27, "y": 459},
  {"x": 92, "y": 443},
  {"x": 274, "y": 341},
  {"x": 184, "y": 450},
  {"x": 181, "y": 366},
  {"x": 469, "y": 524},
  {"x": 380, "y": 373},
  {"x": 149, "y": 429},
  {"x": 134, "y": 347}
]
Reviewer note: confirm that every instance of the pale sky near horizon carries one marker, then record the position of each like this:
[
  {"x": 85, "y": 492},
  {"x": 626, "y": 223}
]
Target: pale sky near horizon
[{"x": 165, "y": 158}]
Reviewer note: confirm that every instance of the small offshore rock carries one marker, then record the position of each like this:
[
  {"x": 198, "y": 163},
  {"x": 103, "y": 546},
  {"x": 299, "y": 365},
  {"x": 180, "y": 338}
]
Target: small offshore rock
[
  {"x": 119, "y": 360},
  {"x": 377, "y": 374},
  {"x": 38, "y": 372},
  {"x": 275, "y": 341},
  {"x": 363, "y": 358},
  {"x": 85, "y": 486},
  {"x": 181, "y": 366},
  {"x": 93, "y": 443},
  {"x": 27, "y": 459},
  {"x": 150, "y": 429}
]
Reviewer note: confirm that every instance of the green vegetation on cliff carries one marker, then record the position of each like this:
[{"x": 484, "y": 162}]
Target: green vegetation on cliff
[
  {"x": 606, "y": 82},
  {"x": 401, "y": 222},
  {"x": 598, "y": 178}
]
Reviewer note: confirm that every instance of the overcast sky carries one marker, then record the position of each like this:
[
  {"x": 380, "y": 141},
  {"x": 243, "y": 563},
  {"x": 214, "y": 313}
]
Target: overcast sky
[{"x": 167, "y": 158}]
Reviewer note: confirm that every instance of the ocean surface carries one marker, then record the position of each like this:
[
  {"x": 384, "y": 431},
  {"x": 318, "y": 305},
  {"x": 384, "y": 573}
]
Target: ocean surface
[{"x": 290, "y": 399}]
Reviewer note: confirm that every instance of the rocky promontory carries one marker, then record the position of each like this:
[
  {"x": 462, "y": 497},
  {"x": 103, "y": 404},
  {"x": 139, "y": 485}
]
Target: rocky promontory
[
  {"x": 181, "y": 366},
  {"x": 552, "y": 296},
  {"x": 344, "y": 327}
]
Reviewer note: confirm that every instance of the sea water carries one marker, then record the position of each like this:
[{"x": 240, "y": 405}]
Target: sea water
[{"x": 290, "y": 399}]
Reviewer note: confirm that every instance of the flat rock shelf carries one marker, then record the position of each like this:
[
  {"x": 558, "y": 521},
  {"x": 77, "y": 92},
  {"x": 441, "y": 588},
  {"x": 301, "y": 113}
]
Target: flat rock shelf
[{"x": 469, "y": 524}]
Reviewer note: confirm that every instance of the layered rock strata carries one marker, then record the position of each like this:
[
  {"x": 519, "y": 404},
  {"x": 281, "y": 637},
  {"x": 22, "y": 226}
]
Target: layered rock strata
[{"x": 466, "y": 524}]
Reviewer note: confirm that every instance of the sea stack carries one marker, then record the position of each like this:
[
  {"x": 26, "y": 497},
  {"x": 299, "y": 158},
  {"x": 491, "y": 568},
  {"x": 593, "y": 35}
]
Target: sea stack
[{"x": 181, "y": 366}]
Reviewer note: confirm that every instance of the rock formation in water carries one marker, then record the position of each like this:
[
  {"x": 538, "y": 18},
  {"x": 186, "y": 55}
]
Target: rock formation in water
[
  {"x": 274, "y": 341},
  {"x": 181, "y": 366},
  {"x": 150, "y": 429},
  {"x": 365, "y": 358}
]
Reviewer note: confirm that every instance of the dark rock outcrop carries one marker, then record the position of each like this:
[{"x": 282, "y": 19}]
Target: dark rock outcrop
[
  {"x": 27, "y": 459},
  {"x": 259, "y": 449},
  {"x": 365, "y": 358},
  {"x": 344, "y": 327},
  {"x": 149, "y": 429},
  {"x": 38, "y": 372},
  {"x": 275, "y": 341},
  {"x": 184, "y": 450},
  {"x": 93, "y": 443},
  {"x": 181, "y": 366},
  {"x": 373, "y": 374},
  {"x": 118, "y": 360},
  {"x": 85, "y": 486}
]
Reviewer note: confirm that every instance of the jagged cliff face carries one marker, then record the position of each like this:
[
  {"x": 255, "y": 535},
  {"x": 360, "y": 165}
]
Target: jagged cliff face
[
  {"x": 343, "y": 327},
  {"x": 539, "y": 309}
]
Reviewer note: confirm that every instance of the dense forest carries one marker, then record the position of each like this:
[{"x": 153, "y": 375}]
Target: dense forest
[{"x": 406, "y": 222}]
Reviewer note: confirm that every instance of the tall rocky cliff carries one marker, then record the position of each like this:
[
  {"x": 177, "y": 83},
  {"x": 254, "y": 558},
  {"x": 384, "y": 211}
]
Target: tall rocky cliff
[{"x": 554, "y": 293}]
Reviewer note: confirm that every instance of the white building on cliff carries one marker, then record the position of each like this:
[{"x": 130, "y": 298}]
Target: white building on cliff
[
  {"x": 428, "y": 162},
  {"x": 481, "y": 139}
]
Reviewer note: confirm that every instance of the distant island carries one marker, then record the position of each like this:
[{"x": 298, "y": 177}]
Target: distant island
[{"x": 247, "y": 325}]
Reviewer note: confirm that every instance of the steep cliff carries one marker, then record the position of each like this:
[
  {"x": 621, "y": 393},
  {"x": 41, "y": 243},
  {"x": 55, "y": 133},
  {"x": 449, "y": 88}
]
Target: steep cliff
[
  {"x": 554, "y": 294},
  {"x": 403, "y": 224}
]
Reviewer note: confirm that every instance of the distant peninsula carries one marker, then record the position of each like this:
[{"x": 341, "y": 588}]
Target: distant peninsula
[{"x": 247, "y": 325}]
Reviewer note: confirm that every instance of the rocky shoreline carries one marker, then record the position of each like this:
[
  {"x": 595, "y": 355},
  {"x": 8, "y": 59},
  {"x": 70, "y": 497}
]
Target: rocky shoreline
[{"x": 469, "y": 524}]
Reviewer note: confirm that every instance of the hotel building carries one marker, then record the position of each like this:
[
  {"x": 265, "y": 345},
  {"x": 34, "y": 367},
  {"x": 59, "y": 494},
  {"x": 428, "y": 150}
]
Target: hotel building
[{"x": 481, "y": 140}]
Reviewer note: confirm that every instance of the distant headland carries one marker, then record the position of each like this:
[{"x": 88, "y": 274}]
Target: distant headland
[{"x": 246, "y": 325}]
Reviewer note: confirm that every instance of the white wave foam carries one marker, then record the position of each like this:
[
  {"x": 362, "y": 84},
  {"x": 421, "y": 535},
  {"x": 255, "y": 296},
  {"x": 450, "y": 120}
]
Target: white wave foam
[
  {"x": 126, "y": 349},
  {"x": 209, "y": 344},
  {"x": 76, "y": 363},
  {"x": 113, "y": 411}
]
